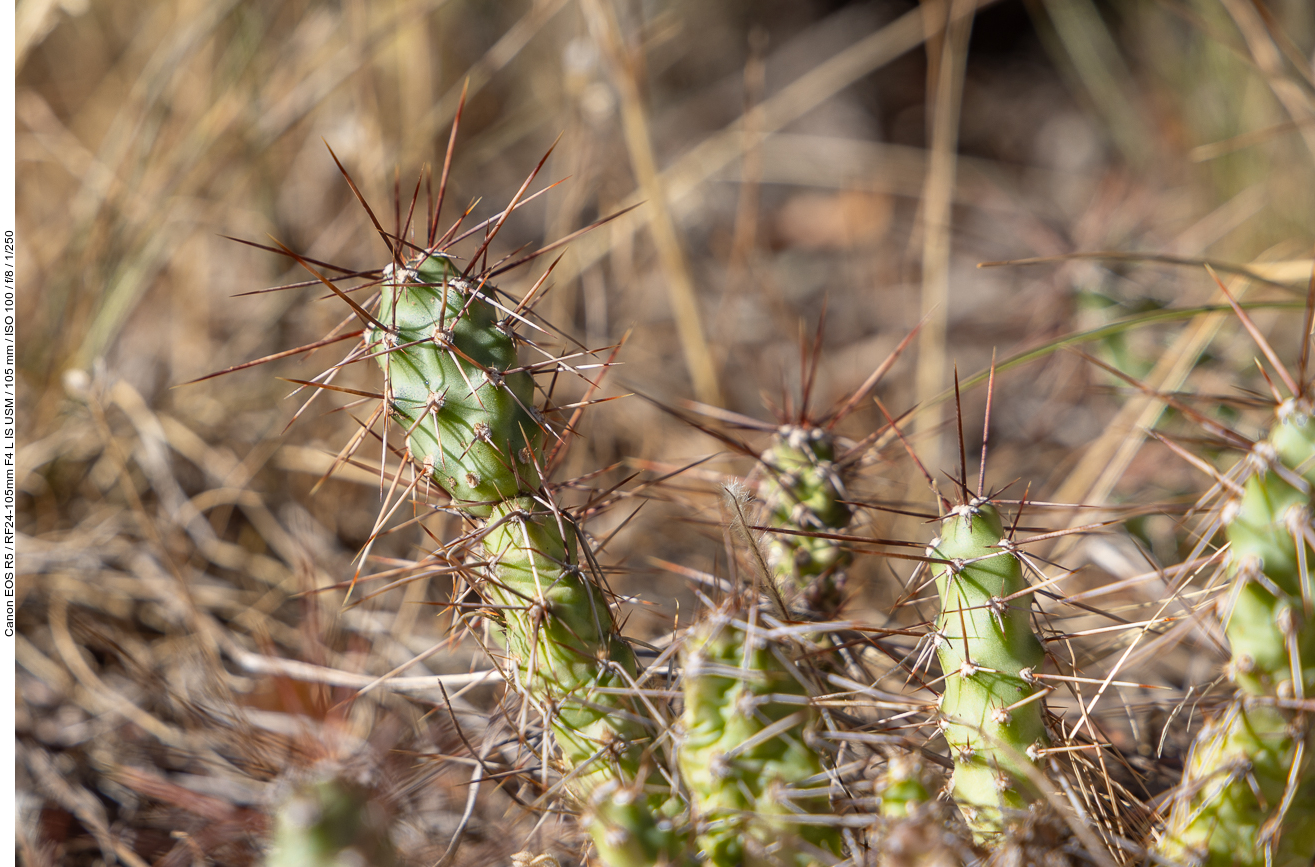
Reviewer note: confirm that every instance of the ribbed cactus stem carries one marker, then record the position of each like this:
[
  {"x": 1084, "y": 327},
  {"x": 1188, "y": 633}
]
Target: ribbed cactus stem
[
  {"x": 754, "y": 778},
  {"x": 468, "y": 412},
  {"x": 1249, "y": 792},
  {"x": 573, "y": 664},
  {"x": 452, "y": 383},
  {"x": 562, "y": 638},
  {"x": 804, "y": 491},
  {"x": 991, "y": 709}
]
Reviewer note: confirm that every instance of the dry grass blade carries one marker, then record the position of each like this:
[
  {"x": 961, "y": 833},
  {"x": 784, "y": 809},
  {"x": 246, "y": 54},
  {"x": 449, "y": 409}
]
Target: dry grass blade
[
  {"x": 626, "y": 72},
  {"x": 948, "y": 55}
]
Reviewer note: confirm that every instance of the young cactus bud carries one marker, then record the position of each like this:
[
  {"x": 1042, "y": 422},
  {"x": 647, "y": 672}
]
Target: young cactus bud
[
  {"x": 330, "y": 821},
  {"x": 914, "y": 831},
  {"x": 446, "y": 361},
  {"x": 744, "y": 748},
  {"x": 1249, "y": 792},
  {"x": 903, "y": 787},
  {"x": 804, "y": 492},
  {"x": 991, "y": 714}
]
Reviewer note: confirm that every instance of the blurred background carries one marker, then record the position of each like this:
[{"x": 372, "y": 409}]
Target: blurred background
[{"x": 802, "y": 170}]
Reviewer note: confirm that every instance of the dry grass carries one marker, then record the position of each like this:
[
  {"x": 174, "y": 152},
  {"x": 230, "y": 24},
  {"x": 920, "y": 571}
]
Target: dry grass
[{"x": 185, "y": 655}]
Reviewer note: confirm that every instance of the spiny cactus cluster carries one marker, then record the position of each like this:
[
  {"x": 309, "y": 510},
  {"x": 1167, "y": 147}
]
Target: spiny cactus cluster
[
  {"x": 453, "y": 382},
  {"x": 1248, "y": 794},
  {"x": 449, "y": 358},
  {"x": 734, "y": 766}
]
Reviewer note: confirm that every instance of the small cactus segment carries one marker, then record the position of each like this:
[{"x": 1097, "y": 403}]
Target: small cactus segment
[
  {"x": 470, "y": 421},
  {"x": 1249, "y": 790},
  {"x": 805, "y": 492},
  {"x": 903, "y": 787},
  {"x": 446, "y": 361},
  {"x": 915, "y": 829},
  {"x": 637, "y": 824},
  {"x": 331, "y": 822},
  {"x": 991, "y": 713},
  {"x": 1249, "y": 750},
  {"x": 743, "y": 749},
  {"x": 561, "y": 636}
]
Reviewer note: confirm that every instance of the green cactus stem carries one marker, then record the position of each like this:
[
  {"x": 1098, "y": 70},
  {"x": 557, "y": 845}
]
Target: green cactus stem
[
  {"x": 915, "y": 829},
  {"x": 1249, "y": 792},
  {"x": 805, "y": 492},
  {"x": 450, "y": 362},
  {"x": 452, "y": 384},
  {"x": 991, "y": 710},
  {"x": 744, "y": 750}
]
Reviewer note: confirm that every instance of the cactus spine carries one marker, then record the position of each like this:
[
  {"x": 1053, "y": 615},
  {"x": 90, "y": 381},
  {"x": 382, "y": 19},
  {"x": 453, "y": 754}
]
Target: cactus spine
[
  {"x": 991, "y": 712},
  {"x": 804, "y": 492},
  {"x": 1248, "y": 791},
  {"x": 744, "y": 749},
  {"x": 453, "y": 383}
]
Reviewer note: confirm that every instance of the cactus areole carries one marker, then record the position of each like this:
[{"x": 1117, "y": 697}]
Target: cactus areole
[
  {"x": 991, "y": 712},
  {"x": 452, "y": 383}
]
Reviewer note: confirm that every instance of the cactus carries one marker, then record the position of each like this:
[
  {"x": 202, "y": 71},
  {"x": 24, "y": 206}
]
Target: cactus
[
  {"x": 468, "y": 413},
  {"x": 1248, "y": 791},
  {"x": 903, "y": 787},
  {"x": 745, "y": 750},
  {"x": 990, "y": 711},
  {"x": 447, "y": 359},
  {"x": 803, "y": 484},
  {"x": 913, "y": 830},
  {"x": 755, "y": 779},
  {"x": 804, "y": 493},
  {"x": 330, "y": 821}
]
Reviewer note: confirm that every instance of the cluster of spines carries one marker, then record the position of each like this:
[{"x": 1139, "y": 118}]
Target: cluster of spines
[
  {"x": 1248, "y": 791},
  {"x": 805, "y": 496},
  {"x": 454, "y": 386},
  {"x": 467, "y": 409},
  {"x": 757, "y": 783},
  {"x": 991, "y": 710}
]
